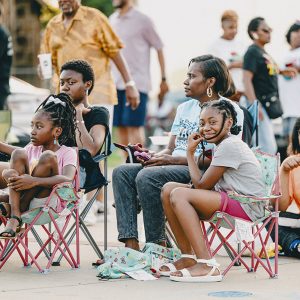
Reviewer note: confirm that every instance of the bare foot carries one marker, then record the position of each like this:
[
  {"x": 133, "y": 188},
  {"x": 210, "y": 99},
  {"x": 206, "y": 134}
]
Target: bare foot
[
  {"x": 198, "y": 269},
  {"x": 180, "y": 264}
]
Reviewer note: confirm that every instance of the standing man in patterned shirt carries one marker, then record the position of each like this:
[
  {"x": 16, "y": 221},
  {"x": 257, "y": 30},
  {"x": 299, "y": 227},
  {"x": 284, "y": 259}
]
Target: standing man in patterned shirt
[
  {"x": 81, "y": 32},
  {"x": 139, "y": 35}
]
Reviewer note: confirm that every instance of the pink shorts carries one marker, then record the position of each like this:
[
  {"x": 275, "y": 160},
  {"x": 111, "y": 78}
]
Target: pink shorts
[{"x": 232, "y": 207}]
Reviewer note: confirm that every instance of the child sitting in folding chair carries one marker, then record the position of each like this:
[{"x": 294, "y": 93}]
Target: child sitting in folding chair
[
  {"x": 48, "y": 160},
  {"x": 233, "y": 168},
  {"x": 289, "y": 204}
]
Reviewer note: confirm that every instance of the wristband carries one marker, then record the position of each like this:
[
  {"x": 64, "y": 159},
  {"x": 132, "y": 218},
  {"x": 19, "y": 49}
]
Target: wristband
[
  {"x": 77, "y": 121},
  {"x": 130, "y": 83},
  {"x": 163, "y": 78}
]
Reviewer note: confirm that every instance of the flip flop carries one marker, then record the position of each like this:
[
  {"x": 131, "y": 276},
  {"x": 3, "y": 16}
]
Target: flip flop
[
  {"x": 187, "y": 277},
  {"x": 12, "y": 233},
  {"x": 171, "y": 266}
]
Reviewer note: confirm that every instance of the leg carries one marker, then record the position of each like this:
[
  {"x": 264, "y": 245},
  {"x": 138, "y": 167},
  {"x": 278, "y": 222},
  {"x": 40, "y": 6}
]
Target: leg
[
  {"x": 149, "y": 183},
  {"x": 125, "y": 195},
  {"x": 266, "y": 137},
  {"x": 181, "y": 238},
  {"x": 189, "y": 205},
  {"x": 46, "y": 167},
  {"x": 18, "y": 166}
]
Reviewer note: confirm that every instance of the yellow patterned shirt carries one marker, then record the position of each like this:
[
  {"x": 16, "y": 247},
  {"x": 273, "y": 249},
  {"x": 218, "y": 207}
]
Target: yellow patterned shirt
[{"x": 89, "y": 37}]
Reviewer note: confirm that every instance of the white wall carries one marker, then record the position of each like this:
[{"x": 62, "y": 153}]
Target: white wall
[{"x": 187, "y": 28}]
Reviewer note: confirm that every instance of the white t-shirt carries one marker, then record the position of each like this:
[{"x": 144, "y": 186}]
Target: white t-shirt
[
  {"x": 244, "y": 174},
  {"x": 186, "y": 122},
  {"x": 229, "y": 51},
  {"x": 289, "y": 89}
]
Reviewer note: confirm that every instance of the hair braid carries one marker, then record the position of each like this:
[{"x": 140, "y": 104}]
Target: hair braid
[
  {"x": 61, "y": 116},
  {"x": 228, "y": 111}
]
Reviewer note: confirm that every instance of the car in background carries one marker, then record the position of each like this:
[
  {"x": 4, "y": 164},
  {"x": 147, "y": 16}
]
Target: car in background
[{"x": 22, "y": 102}]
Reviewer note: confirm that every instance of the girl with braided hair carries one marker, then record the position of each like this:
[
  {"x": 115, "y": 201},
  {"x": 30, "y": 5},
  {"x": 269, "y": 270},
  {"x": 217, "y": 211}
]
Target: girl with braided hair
[
  {"x": 48, "y": 160},
  {"x": 233, "y": 168}
]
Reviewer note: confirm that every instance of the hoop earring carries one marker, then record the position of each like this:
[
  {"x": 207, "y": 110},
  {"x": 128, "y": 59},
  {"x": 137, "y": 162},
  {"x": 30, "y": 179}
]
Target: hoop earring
[{"x": 209, "y": 92}]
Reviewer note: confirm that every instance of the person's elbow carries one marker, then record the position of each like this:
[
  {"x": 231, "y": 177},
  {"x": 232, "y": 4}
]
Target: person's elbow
[{"x": 284, "y": 203}]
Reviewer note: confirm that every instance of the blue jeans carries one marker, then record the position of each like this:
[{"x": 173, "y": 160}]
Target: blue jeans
[
  {"x": 266, "y": 137},
  {"x": 133, "y": 185}
]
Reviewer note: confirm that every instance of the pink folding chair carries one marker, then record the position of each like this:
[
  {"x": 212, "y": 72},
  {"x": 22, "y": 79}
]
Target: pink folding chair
[
  {"x": 68, "y": 200},
  {"x": 249, "y": 233}
]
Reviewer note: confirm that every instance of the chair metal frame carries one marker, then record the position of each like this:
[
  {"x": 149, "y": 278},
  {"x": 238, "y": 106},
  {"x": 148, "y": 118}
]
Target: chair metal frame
[
  {"x": 71, "y": 232},
  {"x": 38, "y": 218},
  {"x": 221, "y": 219}
]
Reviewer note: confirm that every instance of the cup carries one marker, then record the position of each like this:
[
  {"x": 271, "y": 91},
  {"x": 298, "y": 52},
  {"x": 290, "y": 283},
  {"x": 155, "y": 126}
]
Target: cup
[{"x": 46, "y": 65}]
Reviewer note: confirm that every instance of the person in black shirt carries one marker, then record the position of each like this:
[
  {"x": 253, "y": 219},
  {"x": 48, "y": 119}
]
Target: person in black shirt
[
  {"x": 77, "y": 80},
  {"x": 6, "y": 53},
  {"x": 260, "y": 78}
]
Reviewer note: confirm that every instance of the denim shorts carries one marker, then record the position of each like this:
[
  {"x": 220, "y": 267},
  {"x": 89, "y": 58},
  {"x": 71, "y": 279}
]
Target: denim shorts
[{"x": 125, "y": 116}]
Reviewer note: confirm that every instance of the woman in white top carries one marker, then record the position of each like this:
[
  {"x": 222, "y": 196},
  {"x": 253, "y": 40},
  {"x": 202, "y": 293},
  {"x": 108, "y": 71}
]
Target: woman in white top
[{"x": 230, "y": 49}]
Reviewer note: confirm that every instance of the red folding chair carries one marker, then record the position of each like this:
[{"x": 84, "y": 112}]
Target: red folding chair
[
  {"x": 43, "y": 215},
  {"x": 250, "y": 232}
]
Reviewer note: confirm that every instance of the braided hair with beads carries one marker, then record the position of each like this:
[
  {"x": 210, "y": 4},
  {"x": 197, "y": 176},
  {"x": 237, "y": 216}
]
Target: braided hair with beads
[
  {"x": 62, "y": 113},
  {"x": 228, "y": 111}
]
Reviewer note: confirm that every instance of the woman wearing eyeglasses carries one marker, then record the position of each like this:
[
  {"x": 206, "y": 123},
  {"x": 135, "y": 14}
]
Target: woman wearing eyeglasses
[{"x": 260, "y": 80}]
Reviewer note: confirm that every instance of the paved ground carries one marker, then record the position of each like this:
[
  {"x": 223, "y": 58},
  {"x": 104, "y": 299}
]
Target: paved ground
[{"x": 17, "y": 282}]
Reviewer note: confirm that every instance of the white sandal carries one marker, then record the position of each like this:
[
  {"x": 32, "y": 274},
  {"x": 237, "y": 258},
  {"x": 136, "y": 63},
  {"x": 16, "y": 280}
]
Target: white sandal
[
  {"x": 187, "y": 277},
  {"x": 171, "y": 266}
]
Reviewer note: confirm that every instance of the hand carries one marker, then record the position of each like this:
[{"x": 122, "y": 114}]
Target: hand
[
  {"x": 193, "y": 141},
  {"x": 289, "y": 72},
  {"x": 81, "y": 110},
  {"x": 21, "y": 182},
  {"x": 290, "y": 163},
  {"x": 164, "y": 159},
  {"x": 132, "y": 97},
  {"x": 164, "y": 88}
]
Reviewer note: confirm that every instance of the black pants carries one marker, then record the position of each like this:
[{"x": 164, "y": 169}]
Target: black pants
[{"x": 286, "y": 235}]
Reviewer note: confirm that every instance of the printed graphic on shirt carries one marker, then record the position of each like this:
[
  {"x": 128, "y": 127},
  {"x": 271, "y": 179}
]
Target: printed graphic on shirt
[
  {"x": 271, "y": 65},
  {"x": 186, "y": 129}
]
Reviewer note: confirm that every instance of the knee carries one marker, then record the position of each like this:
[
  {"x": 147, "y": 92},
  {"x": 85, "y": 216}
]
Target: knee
[
  {"x": 176, "y": 196},
  {"x": 119, "y": 174},
  {"x": 143, "y": 177},
  {"x": 19, "y": 155},
  {"x": 166, "y": 191},
  {"x": 48, "y": 157},
  {"x": 7, "y": 173}
]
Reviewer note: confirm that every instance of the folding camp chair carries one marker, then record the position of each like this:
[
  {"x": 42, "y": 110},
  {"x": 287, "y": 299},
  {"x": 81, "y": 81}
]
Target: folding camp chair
[
  {"x": 45, "y": 214},
  {"x": 250, "y": 232},
  {"x": 94, "y": 180}
]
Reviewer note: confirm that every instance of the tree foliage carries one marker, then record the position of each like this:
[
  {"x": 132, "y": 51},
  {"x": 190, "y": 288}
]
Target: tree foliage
[{"x": 104, "y": 5}]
